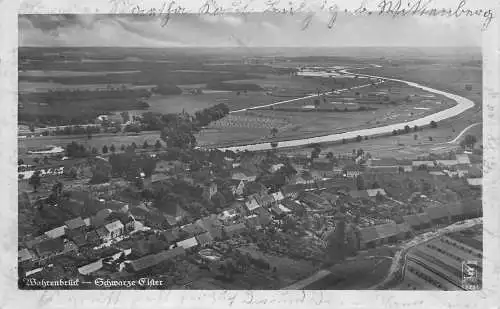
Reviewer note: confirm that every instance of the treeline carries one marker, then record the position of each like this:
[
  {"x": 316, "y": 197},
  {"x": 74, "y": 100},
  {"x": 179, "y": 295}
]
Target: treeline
[
  {"x": 213, "y": 113},
  {"x": 331, "y": 110},
  {"x": 83, "y": 95},
  {"x": 167, "y": 89},
  {"x": 219, "y": 85},
  {"x": 130, "y": 165},
  {"x": 147, "y": 76}
]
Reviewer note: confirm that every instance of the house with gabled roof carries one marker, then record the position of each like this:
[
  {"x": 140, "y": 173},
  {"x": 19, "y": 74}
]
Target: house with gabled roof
[
  {"x": 192, "y": 229},
  {"x": 204, "y": 239},
  {"x": 90, "y": 268},
  {"x": 463, "y": 158},
  {"x": 57, "y": 232},
  {"x": 359, "y": 194},
  {"x": 76, "y": 223},
  {"x": 251, "y": 203},
  {"x": 438, "y": 214},
  {"x": 237, "y": 187},
  {"x": 375, "y": 192},
  {"x": 368, "y": 237},
  {"x": 475, "y": 182},
  {"x": 25, "y": 255},
  {"x": 188, "y": 243},
  {"x": 243, "y": 174},
  {"x": 111, "y": 231},
  {"x": 49, "y": 248}
]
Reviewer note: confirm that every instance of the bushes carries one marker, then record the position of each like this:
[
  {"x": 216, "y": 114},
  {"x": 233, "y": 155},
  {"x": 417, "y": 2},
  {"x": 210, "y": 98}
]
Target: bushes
[
  {"x": 218, "y": 85},
  {"x": 167, "y": 89}
]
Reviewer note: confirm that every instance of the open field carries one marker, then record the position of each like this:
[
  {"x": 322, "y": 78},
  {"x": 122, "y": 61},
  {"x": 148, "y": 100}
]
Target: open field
[
  {"x": 360, "y": 272},
  {"x": 97, "y": 141}
]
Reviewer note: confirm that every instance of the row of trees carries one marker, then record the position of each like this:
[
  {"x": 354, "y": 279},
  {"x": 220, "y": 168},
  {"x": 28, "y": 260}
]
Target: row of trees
[{"x": 208, "y": 115}]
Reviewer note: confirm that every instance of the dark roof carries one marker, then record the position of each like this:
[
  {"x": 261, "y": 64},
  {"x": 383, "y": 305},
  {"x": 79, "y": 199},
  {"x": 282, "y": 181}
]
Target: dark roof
[
  {"x": 404, "y": 227},
  {"x": 412, "y": 220},
  {"x": 424, "y": 218},
  {"x": 144, "y": 262},
  {"x": 193, "y": 229},
  {"x": 78, "y": 237},
  {"x": 50, "y": 245},
  {"x": 387, "y": 230},
  {"x": 368, "y": 234},
  {"x": 171, "y": 235},
  {"x": 92, "y": 237},
  {"x": 291, "y": 189},
  {"x": 252, "y": 221},
  {"x": 75, "y": 223},
  {"x": 235, "y": 228},
  {"x": 292, "y": 205},
  {"x": 204, "y": 239},
  {"x": 384, "y": 162},
  {"x": 437, "y": 212},
  {"x": 359, "y": 194}
]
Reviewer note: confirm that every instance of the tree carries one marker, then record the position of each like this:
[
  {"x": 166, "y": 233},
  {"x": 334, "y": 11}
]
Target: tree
[
  {"x": 104, "y": 149},
  {"x": 45, "y": 160},
  {"x": 415, "y": 128},
  {"x": 394, "y": 132},
  {"x": 316, "y": 103},
  {"x": 470, "y": 141},
  {"x": 274, "y": 145},
  {"x": 35, "y": 180},
  {"x": 94, "y": 150},
  {"x": 315, "y": 152},
  {"x": 433, "y": 124},
  {"x": 125, "y": 116},
  {"x": 359, "y": 138},
  {"x": 122, "y": 147},
  {"x": 145, "y": 145},
  {"x": 112, "y": 148},
  {"x": 133, "y": 145},
  {"x": 20, "y": 162},
  {"x": 415, "y": 136},
  {"x": 157, "y": 145},
  {"x": 407, "y": 129},
  {"x": 344, "y": 141},
  {"x": 360, "y": 182},
  {"x": 330, "y": 156},
  {"x": 274, "y": 131}
]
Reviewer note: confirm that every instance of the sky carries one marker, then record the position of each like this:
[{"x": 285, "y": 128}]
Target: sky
[{"x": 254, "y": 30}]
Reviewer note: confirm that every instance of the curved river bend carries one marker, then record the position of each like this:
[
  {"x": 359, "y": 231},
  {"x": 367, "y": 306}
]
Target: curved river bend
[{"x": 463, "y": 104}]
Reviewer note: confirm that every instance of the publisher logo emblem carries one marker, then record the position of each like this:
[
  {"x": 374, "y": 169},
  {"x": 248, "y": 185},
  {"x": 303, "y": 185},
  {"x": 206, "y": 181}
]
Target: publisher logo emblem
[{"x": 470, "y": 275}]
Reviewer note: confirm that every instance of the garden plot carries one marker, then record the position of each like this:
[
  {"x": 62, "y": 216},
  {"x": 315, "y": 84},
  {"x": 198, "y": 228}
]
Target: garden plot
[{"x": 252, "y": 121}]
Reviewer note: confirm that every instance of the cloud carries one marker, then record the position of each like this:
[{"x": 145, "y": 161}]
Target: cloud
[{"x": 254, "y": 29}]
